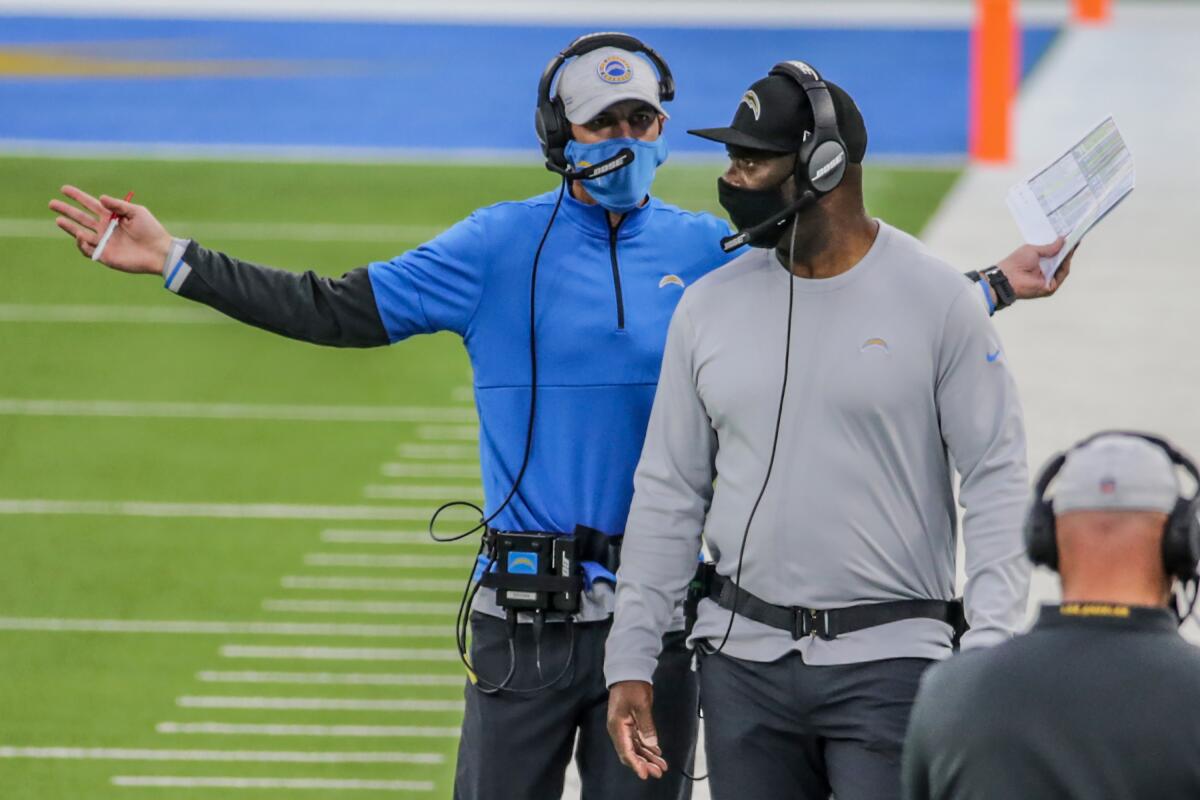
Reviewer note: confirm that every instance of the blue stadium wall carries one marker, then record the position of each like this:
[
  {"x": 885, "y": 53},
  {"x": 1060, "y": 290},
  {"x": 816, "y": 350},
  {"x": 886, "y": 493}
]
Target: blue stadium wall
[{"x": 421, "y": 87}]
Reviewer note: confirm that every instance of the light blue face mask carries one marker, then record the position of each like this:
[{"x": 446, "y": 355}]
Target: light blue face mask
[{"x": 623, "y": 190}]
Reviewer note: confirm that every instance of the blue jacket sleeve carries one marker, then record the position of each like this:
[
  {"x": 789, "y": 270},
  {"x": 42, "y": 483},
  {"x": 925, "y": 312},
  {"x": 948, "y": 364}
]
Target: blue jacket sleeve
[{"x": 435, "y": 287}]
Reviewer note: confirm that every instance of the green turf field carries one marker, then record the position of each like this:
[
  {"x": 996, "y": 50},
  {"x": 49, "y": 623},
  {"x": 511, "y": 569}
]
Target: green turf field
[{"x": 209, "y": 536}]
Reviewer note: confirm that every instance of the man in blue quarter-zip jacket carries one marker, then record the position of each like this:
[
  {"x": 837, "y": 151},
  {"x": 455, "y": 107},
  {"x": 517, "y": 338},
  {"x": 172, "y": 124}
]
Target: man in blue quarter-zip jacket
[{"x": 612, "y": 266}]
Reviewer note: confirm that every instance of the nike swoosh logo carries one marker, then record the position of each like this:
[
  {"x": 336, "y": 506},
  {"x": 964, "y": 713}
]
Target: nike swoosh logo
[{"x": 993, "y": 356}]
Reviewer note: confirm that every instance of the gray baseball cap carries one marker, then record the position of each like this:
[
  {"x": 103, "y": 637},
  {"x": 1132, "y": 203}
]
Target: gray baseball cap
[
  {"x": 596, "y": 80},
  {"x": 1116, "y": 472}
]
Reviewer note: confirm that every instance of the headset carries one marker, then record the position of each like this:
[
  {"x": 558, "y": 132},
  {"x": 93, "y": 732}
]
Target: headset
[
  {"x": 821, "y": 159},
  {"x": 550, "y": 118},
  {"x": 1181, "y": 535}
]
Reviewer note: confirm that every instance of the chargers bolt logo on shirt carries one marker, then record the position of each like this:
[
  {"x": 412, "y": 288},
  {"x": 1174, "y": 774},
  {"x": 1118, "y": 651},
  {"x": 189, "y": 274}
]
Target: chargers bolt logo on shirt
[
  {"x": 522, "y": 563},
  {"x": 670, "y": 279},
  {"x": 615, "y": 69},
  {"x": 874, "y": 342}
]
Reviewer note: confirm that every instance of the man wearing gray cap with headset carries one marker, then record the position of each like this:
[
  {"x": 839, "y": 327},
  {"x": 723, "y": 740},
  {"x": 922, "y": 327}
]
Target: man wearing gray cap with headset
[{"x": 1100, "y": 699}]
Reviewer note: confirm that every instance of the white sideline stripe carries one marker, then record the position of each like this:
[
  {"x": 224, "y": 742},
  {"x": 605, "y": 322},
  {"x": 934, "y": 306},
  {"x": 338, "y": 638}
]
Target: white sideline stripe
[
  {"x": 354, "y": 584},
  {"x": 358, "y": 607},
  {"x": 331, "y": 678},
  {"x": 464, "y": 433},
  {"x": 370, "y": 560},
  {"x": 251, "y": 756},
  {"x": 180, "y": 782},
  {"x": 355, "y": 536},
  {"x": 408, "y": 469},
  {"x": 445, "y": 452},
  {"x": 44, "y": 228},
  {"x": 56, "y": 625},
  {"x": 369, "y": 731},
  {"x": 134, "y": 508},
  {"x": 317, "y": 704},
  {"x": 337, "y": 653},
  {"x": 376, "y": 491},
  {"x": 143, "y": 315},
  {"x": 298, "y": 413}
]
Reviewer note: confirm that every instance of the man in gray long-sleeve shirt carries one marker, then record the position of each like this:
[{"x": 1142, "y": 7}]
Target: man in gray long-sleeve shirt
[{"x": 894, "y": 372}]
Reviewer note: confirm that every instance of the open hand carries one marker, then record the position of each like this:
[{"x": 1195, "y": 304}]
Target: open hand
[
  {"x": 631, "y": 727},
  {"x": 139, "y": 244}
]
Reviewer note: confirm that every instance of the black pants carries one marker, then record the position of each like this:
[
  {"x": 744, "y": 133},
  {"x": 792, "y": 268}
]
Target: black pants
[
  {"x": 517, "y": 746},
  {"x": 785, "y": 729}
]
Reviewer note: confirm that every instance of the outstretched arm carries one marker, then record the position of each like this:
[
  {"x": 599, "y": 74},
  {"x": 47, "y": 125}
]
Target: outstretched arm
[
  {"x": 435, "y": 287},
  {"x": 337, "y": 312}
]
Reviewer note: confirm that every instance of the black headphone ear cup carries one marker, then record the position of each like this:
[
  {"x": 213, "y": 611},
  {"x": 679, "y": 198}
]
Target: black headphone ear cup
[
  {"x": 553, "y": 131},
  {"x": 826, "y": 166},
  {"x": 1181, "y": 541},
  {"x": 1041, "y": 542}
]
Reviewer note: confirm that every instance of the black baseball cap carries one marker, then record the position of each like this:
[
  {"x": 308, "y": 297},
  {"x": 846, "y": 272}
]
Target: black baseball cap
[{"x": 774, "y": 114}]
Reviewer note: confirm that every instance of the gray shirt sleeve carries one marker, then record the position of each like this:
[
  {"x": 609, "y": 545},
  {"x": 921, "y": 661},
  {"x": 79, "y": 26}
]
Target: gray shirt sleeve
[
  {"x": 673, "y": 488},
  {"x": 981, "y": 423}
]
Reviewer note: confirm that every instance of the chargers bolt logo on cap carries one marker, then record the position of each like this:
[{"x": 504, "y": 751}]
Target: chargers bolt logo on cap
[
  {"x": 750, "y": 98},
  {"x": 614, "y": 69}
]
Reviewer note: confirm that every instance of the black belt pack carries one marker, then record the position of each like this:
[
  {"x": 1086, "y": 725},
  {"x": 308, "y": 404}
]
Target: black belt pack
[
  {"x": 829, "y": 623},
  {"x": 542, "y": 571}
]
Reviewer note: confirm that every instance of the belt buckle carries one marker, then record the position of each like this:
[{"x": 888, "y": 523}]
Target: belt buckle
[
  {"x": 804, "y": 622},
  {"x": 811, "y": 622}
]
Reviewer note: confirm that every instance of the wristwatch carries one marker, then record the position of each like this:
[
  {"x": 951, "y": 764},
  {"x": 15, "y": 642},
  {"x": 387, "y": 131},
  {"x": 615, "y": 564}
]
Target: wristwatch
[{"x": 1005, "y": 296}]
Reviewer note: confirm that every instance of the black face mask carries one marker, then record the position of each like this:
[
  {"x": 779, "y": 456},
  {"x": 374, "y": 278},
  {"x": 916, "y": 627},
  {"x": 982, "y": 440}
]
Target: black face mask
[{"x": 750, "y": 207}]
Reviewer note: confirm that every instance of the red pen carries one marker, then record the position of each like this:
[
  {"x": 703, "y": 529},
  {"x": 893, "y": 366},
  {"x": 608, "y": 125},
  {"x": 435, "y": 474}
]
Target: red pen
[{"x": 108, "y": 232}]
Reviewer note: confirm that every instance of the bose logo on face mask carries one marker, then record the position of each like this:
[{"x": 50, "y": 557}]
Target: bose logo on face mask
[{"x": 829, "y": 167}]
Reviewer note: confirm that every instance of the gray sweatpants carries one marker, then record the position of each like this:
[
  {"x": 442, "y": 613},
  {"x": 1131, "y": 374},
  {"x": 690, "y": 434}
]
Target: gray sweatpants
[
  {"x": 785, "y": 729},
  {"x": 517, "y": 746}
]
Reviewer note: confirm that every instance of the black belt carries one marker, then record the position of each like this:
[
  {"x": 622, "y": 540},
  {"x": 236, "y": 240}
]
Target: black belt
[{"x": 830, "y": 623}]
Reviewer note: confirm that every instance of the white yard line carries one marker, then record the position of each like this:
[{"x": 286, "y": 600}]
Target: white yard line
[
  {"x": 331, "y": 678},
  {"x": 312, "y": 653},
  {"x": 453, "y": 433},
  {"x": 254, "y": 729},
  {"x": 340, "y": 583},
  {"x": 58, "y": 625},
  {"x": 232, "y": 411},
  {"x": 409, "y": 469},
  {"x": 374, "y": 561},
  {"x": 317, "y": 704},
  {"x": 244, "y": 756},
  {"x": 358, "y": 607},
  {"x": 362, "y": 536},
  {"x": 142, "y": 315},
  {"x": 378, "y": 491},
  {"x": 181, "y": 782},
  {"x": 135, "y": 508},
  {"x": 44, "y": 228},
  {"x": 442, "y": 452}
]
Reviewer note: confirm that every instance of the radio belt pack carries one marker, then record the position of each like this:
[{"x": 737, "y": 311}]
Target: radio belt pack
[{"x": 540, "y": 571}]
